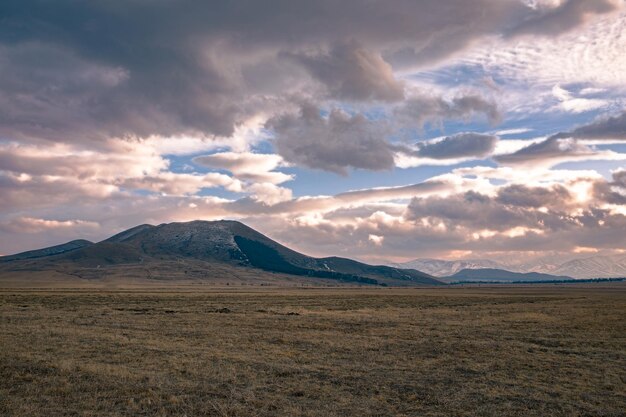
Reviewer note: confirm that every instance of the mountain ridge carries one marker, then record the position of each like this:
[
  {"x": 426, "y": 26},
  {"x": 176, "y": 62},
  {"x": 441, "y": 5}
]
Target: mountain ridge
[
  {"x": 198, "y": 246},
  {"x": 501, "y": 275},
  {"x": 443, "y": 268},
  {"x": 48, "y": 251},
  {"x": 588, "y": 267}
]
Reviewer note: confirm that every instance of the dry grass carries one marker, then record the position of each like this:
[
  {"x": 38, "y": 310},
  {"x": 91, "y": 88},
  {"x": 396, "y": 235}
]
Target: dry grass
[{"x": 475, "y": 351}]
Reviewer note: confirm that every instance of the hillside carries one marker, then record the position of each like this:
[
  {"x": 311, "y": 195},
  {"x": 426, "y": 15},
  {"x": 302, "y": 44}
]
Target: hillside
[
  {"x": 202, "y": 250},
  {"x": 52, "y": 250}
]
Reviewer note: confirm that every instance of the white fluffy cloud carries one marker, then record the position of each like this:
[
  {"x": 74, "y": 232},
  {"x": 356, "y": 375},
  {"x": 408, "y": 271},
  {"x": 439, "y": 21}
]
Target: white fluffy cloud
[
  {"x": 33, "y": 225},
  {"x": 247, "y": 165},
  {"x": 592, "y": 54}
]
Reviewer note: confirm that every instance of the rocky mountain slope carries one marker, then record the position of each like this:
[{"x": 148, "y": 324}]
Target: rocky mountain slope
[
  {"x": 200, "y": 246},
  {"x": 52, "y": 250}
]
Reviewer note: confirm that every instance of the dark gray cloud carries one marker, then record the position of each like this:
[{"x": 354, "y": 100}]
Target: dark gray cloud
[
  {"x": 612, "y": 192},
  {"x": 514, "y": 206},
  {"x": 479, "y": 212},
  {"x": 538, "y": 218},
  {"x": 534, "y": 197},
  {"x": 82, "y": 70},
  {"x": 566, "y": 146},
  {"x": 351, "y": 72},
  {"x": 619, "y": 178},
  {"x": 333, "y": 144},
  {"x": 51, "y": 92},
  {"x": 341, "y": 141},
  {"x": 421, "y": 109},
  {"x": 461, "y": 145},
  {"x": 550, "y": 151},
  {"x": 612, "y": 127}
]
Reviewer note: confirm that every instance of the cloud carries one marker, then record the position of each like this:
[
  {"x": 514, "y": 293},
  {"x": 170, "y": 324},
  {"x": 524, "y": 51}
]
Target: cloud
[
  {"x": 257, "y": 172},
  {"x": 268, "y": 193},
  {"x": 247, "y": 165},
  {"x": 449, "y": 150},
  {"x": 581, "y": 105},
  {"x": 73, "y": 175},
  {"x": 522, "y": 218},
  {"x": 613, "y": 192},
  {"x": 351, "y": 72},
  {"x": 523, "y": 196},
  {"x": 119, "y": 158},
  {"x": 34, "y": 225},
  {"x": 461, "y": 145},
  {"x": 573, "y": 145},
  {"x": 193, "y": 68},
  {"x": 179, "y": 184},
  {"x": 619, "y": 178},
  {"x": 494, "y": 219},
  {"x": 420, "y": 109},
  {"x": 474, "y": 209},
  {"x": 318, "y": 205},
  {"x": 78, "y": 98},
  {"x": 551, "y": 152},
  {"x": 341, "y": 141},
  {"x": 516, "y": 131},
  {"x": 335, "y": 143},
  {"x": 571, "y": 104},
  {"x": 612, "y": 127},
  {"x": 97, "y": 124},
  {"x": 569, "y": 14},
  {"x": 429, "y": 187},
  {"x": 590, "y": 57}
]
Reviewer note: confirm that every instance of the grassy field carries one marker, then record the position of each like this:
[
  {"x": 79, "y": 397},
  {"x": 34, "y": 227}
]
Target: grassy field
[{"x": 464, "y": 351}]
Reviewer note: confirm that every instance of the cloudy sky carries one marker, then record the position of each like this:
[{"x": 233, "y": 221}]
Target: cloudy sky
[{"x": 378, "y": 130}]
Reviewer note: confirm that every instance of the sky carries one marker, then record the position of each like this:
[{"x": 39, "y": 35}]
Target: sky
[{"x": 377, "y": 130}]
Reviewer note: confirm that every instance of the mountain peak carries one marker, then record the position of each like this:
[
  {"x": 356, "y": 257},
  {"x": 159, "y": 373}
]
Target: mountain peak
[{"x": 229, "y": 243}]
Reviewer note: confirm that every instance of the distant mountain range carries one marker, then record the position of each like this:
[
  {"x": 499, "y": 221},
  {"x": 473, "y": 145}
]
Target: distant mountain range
[
  {"x": 443, "y": 268},
  {"x": 612, "y": 266},
  {"x": 500, "y": 275},
  {"x": 219, "y": 250}
]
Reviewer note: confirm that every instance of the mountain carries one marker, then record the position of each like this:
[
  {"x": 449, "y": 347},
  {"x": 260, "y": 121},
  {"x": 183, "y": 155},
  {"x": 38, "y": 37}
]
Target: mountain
[
  {"x": 500, "y": 275},
  {"x": 52, "y": 250},
  {"x": 547, "y": 263},
  {"x": 443, "y": 268},
  {"x": 611, "y": 266},
  {"x": 201, "y": 250}
]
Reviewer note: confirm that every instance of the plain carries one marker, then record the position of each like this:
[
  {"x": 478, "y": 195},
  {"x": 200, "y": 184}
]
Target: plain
[{"x": 540, "y": 350}]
